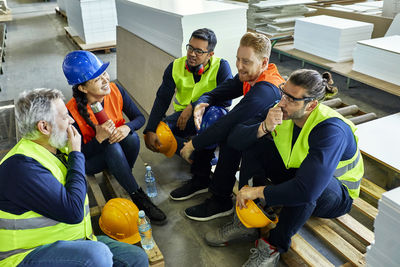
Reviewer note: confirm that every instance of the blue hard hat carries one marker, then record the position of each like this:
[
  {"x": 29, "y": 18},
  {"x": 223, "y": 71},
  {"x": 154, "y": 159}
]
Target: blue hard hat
[
  {"x": 211, "y": 115},
  {"x": 81, "y": 66}
]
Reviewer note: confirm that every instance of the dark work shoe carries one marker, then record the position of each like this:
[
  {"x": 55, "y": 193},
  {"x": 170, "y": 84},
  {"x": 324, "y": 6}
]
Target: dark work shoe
[
  {"x": 143, "y": 202},
  {"x": 187, "y": 191},
  {"x": 210, "y": 209}
]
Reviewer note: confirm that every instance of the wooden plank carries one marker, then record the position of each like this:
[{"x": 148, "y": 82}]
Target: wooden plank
[
  {"x": 106, "y": 46},
  {"x": 95, "y": 211},
  {"x": 94, "y": 186},
  {"x": 292, "y": 259},
  {"x": 365, "y": 208},
  {"x": 336, "y": 242},
  {"x": 308, "y": 253},
  {"x": 372, "y": 189},
  {"x": 114, "y": 186},
  {"x": 356, "y": 228},
  {"x": 155, "y": 256}
]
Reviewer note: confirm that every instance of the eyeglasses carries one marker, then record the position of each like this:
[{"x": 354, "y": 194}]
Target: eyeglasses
[
  {"x": 197, "y": 51},
  {"x": 291, "y": 98}
]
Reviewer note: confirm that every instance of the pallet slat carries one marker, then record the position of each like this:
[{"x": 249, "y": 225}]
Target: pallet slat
[
  {"x": 372, "y": 189},
  {"x": 94, "y": 186},
  {"x": 336, "y": 242},
  {"x": 365, "y": 208},
  {"x": 308, "y": 253},
  {"x": 356, "y": 228}
]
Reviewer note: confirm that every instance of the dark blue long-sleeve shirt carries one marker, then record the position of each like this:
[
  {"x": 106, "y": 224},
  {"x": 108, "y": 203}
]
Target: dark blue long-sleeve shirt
[
  {"x": 25, "y": 185},
  {"x": 262, "y": 94},
  {"x": 136, "y": 119},
  {"x": 330, "y": 141},
  {"x": 167, "y": 90}
]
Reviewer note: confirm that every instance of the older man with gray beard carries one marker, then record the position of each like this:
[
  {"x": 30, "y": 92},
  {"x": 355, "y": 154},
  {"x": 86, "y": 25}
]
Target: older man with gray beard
[{"x": 44, "y": 208}]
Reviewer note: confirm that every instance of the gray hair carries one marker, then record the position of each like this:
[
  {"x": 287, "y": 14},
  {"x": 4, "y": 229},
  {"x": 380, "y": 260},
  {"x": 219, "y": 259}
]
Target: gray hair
[{"x": 33, "y": 106}]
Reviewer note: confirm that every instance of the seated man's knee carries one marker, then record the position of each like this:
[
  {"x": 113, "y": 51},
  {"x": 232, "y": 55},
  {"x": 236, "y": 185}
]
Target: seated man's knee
[{"x": 97, "y": 254}]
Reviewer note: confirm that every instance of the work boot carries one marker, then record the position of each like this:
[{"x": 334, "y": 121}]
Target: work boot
[
  {"x": 188, "y": 190},
  {"x": 263, "y": 255},
  {"x": 230, "y": 232},
  {"x": 143, "y": 202},
  {"x": 212, "y": 208}
]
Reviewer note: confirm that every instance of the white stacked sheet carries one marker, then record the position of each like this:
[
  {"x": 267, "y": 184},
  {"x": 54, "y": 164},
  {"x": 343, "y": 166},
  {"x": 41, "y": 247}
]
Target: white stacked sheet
[
  {"x": 94, "y": 21},
  {"x": 385, "y": 250},
  {"x": 379, "y": 58},
  {"x": 168, "y": 24},
  {"x": 62, "y": 5},
  {"x": 330, "y": 37}
]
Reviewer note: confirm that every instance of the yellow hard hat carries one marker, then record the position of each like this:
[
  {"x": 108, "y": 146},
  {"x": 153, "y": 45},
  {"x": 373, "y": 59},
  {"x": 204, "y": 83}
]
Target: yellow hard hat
[
  {"x": 167, "y": 139},
  {"x": 254, "y": 216},
  {"x": 119, "y": 219}
]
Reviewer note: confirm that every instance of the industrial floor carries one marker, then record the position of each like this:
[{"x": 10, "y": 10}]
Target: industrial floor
[{"x": 36, "y": 45}]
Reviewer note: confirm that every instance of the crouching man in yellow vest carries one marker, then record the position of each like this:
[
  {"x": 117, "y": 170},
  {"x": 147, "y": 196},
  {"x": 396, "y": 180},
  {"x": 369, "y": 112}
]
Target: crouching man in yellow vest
[
  {"x": 44, "y": 208},
  {"x": 310, "y": 154}
]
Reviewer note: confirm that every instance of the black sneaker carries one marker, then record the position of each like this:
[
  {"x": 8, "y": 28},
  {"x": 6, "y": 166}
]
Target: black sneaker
[
  {"x": 143, "y": 202},
  {"x": 210, "y": 209},
  {"x": 187, "y": 191}
]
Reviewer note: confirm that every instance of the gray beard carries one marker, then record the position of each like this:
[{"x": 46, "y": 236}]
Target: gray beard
[{"x": 58, "y": 139}]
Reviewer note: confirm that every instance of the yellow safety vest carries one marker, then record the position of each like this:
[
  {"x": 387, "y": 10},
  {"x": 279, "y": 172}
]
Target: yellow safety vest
[
  {"x": 20, "y": 234},
  {"x": 349, "y": 172},
  {"x": 187, "y": 90}
]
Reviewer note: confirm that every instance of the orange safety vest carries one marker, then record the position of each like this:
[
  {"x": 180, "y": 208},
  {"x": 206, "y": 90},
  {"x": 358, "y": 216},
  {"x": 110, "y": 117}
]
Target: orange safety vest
[
  {"x": 113, "y": 104},
  {"x": 270, "y": 75}
]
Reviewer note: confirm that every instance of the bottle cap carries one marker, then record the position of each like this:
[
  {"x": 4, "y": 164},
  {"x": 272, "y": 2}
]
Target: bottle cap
[
  {"x": 141, "y": 214},
  {"x": 96, "y": 107},
  {"x": 148, "y": 168}
]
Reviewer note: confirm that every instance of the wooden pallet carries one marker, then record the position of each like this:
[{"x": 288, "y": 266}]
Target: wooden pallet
[
  {"x": 156, "y": 258},
  {"x": 105, "y": 46},
  {"x": 61, "y": 12},
  {"x": 3, "y": 37}
]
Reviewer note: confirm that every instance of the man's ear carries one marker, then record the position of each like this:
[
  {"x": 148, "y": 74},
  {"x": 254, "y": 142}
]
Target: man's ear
[
  {"x": 211, "y": 53},
  {"x": 312, "y": 105},
  {"x": 265, "y": 62},
  {"x": 82, "y": 89},
  {"x": 44, "y": 127}
]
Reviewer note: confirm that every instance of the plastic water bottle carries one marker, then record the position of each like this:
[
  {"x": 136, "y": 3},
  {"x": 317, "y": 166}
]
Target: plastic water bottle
[
  {"x": 145, "y": 231},
  {"x": 150, "y": 180}
]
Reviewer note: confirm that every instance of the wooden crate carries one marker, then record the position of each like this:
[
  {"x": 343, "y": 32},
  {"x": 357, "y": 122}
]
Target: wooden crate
[{"x": 156, "y": 258}]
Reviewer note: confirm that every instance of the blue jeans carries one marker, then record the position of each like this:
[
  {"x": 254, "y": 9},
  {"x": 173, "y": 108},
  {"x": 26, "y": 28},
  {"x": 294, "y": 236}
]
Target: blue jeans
[
  {"x": 118, "y": 158},
  {"x": 201, "y": 167},
  {"x": 263, "y": 160},
  {"x": 107, "y": 252}
]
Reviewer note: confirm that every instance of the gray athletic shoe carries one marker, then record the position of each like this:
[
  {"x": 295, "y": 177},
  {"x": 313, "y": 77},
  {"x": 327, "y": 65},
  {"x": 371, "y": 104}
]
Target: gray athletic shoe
[
  {"x": 232, "y": 231},
  {"x": 263, "y": 255}
]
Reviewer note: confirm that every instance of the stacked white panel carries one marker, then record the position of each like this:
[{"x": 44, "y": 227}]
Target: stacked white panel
[
  {"x": 385, "y": 249},
  {"x": 94, "y": 21},
  {"x": 62, "y": 5},
  {"x": 379, "y": 58},
  {"x": 330, "y": 37},
  {"x": 168, "y": 24}
]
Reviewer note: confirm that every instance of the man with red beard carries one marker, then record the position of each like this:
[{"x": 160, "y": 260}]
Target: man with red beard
[{"x": 258, "y": 82}]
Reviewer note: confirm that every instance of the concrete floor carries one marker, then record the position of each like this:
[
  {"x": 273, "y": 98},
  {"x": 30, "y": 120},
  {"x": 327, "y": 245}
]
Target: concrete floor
[{"x": 36, "y": 45}]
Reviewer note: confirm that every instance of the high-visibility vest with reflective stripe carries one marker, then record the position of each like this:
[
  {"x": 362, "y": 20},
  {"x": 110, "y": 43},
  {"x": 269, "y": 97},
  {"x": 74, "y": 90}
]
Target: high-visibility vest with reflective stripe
[
  {"x": 20, "y": 234},
  {"x": 349, "y": 172},
  {"x": 113, "y": 104},
  {"x": 187, "y": 90}
]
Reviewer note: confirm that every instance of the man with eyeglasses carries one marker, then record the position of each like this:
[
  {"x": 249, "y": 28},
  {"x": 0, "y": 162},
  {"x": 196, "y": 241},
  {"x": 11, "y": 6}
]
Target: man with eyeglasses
[
  {"x": 190, "y": 76},
  {"x": 310, "y": 154},
  {"x": 257, "y": 81}
]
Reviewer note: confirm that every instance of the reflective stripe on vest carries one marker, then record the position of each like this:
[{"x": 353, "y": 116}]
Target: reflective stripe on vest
[
  {"x": 349, "y": 172},
  {"x": 270, "y": 75},
  {"x": 22, "y": 233},
  {"x": 187, "y": 91},
  {"x": 113, "y": 105}
]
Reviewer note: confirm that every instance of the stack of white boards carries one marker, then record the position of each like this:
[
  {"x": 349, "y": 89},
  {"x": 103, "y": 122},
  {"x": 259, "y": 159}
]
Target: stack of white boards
[
  {"x": 62, "y": 5},
  {"x": 385, "y": 249},
  {"x": 391, "y": 8},
  {"x": 379, "y": 58},
  {"x": 276, "y": 17},
  {"x": 367, "y": 8},
  {"x": 94, "y": 21},
  {"x": 168, "y": 24},
  {"x": 330, "y": 37}
]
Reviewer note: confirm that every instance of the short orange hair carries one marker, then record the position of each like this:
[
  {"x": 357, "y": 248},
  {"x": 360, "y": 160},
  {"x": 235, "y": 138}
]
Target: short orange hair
[{"x": 259, "y": 42}]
